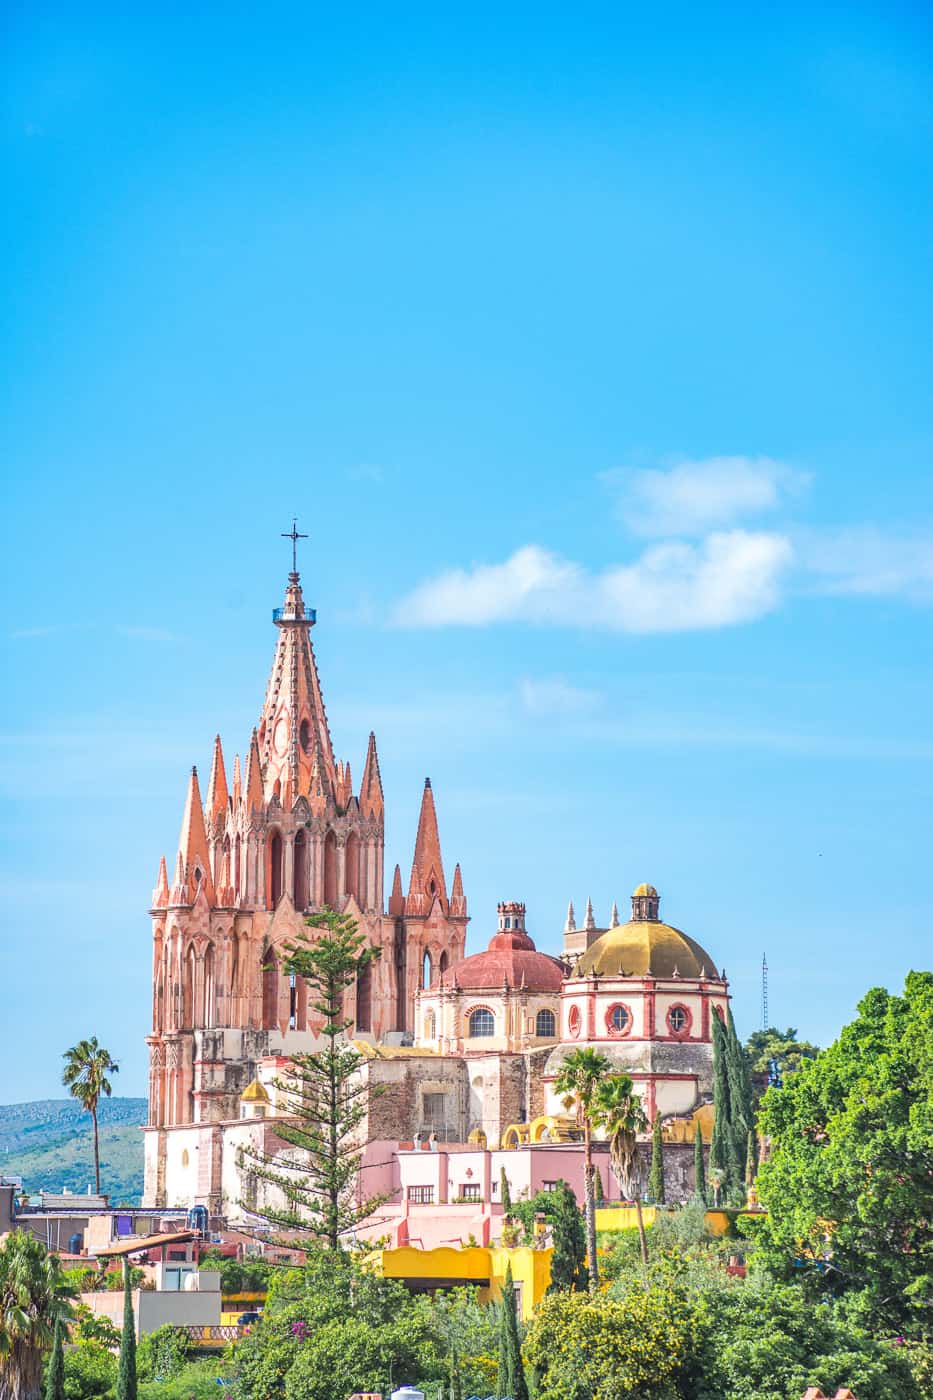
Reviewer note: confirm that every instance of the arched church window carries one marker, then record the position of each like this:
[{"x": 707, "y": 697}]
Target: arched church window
[
  {"x": 275, "y": 869},
  {"x": 304, "y": 736},
  {"x": 270, "y": 991},
  {"x": 482, "y": 1023},
  {"x": 618, "y": 1020},
  {"x": 574, "y": 1021},
  {"x": 426, "y": 971},
  {"x": 545, "y": 1024},
  {"x": 442, "y": 965},
  {"x": 301, "y": 871}
]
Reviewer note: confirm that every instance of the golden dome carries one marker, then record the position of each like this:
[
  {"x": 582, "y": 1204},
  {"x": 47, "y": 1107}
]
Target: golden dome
[
  {"x": 645, "y": 947},
  {"x": 643, "y": 889},
  {"x": 254, "y": 1093}
]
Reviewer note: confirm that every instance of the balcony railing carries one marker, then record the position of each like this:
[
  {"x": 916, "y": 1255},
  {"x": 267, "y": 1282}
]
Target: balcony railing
[{"x": 280, "y": 615}]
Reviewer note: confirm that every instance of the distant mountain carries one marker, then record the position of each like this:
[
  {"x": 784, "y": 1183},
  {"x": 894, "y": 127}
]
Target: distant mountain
[{"x": 50, "y": 1145}]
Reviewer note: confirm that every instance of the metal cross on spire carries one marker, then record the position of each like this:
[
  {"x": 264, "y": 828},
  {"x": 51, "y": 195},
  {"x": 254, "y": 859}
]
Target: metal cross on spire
[{"x": 294, "y": 535}]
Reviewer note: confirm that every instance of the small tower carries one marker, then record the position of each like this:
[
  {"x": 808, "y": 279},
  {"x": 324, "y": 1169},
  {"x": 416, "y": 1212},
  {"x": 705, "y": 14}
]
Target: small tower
[{"x": 646, "y": 905}]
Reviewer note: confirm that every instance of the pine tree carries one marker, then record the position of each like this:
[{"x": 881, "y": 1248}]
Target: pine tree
[
  {"x": 699, "y": 1167},
  {"x": 517, "y": 1386},
  {"x": 326, "y": 1099},
  {"x": 55, "y": 1376},
  {"x": 568, "y": 1262},
  {"x": 126, "y": 1375},
  {"x": 656, "y": 1175},
  {"x": 505, "y": 1195}
]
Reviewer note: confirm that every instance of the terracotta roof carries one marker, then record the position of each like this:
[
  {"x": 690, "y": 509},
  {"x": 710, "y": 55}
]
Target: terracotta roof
[
  {"x": 142, "y": 1242},
  {"x": 513, "y": 958}
]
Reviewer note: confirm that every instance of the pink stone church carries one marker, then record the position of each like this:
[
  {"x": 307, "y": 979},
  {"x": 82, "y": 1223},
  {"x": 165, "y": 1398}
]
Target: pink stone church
[{"x": 464, "y": 1050}]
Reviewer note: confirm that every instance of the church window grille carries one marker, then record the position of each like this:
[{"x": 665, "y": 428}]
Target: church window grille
[
  {"x": 678, "y": 1020},
  {"x": 618, "y": 1020},
  {"x": 546, "y": 1024},
  {"x": 482, "y": 1023},
  {"x": 430, "y": 1025}
]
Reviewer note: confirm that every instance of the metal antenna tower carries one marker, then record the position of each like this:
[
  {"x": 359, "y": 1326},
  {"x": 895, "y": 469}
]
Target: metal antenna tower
[{"x": 764, "y": 992}]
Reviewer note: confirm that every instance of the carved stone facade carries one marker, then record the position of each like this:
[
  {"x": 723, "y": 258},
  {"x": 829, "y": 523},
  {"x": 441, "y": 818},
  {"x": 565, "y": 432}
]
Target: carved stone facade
[{"x": 286, "y": 836}]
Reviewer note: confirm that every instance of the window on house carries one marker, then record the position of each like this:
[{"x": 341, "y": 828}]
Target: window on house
[
  {"x": 421, "y": 1195},
  {"x": 471, "y": 1191},
  {"x": 545, "y": 1024},
  {"x": 482, "y": 1022},
  {"x": 549, "y": 1186}
]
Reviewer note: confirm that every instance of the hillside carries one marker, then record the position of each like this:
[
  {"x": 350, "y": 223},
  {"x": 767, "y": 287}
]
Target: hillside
[{"x": 48, "y": 1143}]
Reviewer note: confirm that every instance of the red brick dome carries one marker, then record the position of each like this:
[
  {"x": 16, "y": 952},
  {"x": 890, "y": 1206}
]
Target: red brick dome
[{"x": 511, "y": 957}]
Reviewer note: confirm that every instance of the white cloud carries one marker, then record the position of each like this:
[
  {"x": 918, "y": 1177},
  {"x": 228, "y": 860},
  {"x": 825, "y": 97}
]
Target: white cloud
[
  {"x": 553, "y": 695},
  {"x": 730, "y": 577},
  {"x": 692, "y": 497},
  {"x": 866, "y": 561}
]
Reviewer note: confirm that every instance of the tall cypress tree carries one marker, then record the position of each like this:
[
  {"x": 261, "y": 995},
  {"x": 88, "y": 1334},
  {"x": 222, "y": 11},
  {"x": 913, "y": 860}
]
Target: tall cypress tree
[
  {"x": 699, "y": 1167},
  {"x": 751, "y": 1158},
  {"x": 741, "y": 1120},
  {"x": 502, "y": 1370},
  {"x": 721, "y": 1118},
  {"x": 126, "y": 1375},
  {"x": 456, "y": 1386},
  {"x": 55, "y": 1376},
  {"x": 568, "y": 1262},
  {"x": 517, "y": 1385},
  {"x": 505, "y": 1195},
  {"x": 656, "y": 1175}
]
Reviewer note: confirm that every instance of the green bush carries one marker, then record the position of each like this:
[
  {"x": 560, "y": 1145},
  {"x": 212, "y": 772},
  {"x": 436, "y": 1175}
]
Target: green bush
[
  {"x": 162, "y": 1354},
  {"x": 196, "y": 1381},
  {"x": 90, "y": 1371}
]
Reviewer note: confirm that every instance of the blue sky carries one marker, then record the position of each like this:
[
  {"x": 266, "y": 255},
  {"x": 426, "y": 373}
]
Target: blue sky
[{"x": 591, "y": 349}]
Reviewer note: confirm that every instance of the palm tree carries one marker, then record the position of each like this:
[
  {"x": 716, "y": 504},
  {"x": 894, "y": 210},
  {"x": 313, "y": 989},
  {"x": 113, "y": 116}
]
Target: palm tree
[
  {"x": 618, "y": 1109},
  {"x": 87, "y": 1065},
  {"x": 577, "y": 1082},
  {"x": 33, "y": 1298}
]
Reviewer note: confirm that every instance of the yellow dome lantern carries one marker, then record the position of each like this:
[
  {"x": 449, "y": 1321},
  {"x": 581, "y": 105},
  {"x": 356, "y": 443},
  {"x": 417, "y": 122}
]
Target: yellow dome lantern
[
  {"x": 646, "y": 947},
  {"x": 254, "y": 1100}
]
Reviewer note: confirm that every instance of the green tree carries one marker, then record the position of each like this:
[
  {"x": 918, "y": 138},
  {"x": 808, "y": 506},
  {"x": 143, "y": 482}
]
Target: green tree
[
  {"x": 87, "y": 1066},
  {"x": 34, "y": 1296},
  {"x": 782, "y": 1048},
  {"x": 162, "y": 1354},
  {"x": 456, "y": 1387},
  {"x": 849, "y": 1181},
  {"x": 326, "y": 1097},
  {"x": 55, "y": 1372},
  {"x": 90, "y": 1372},
  {"x": 512, "y": 1378},
  {"x": 568, "y": 1261},
  {"x": 734, "y": 1111},
  {"x": 505, "y": 1195},
  {"x": 656, "y": 1175},
  {"x": 771, "y": 1343},
  {"x": 577, "y": 1082},
  {"x": 631, "y": 1347},
  {"x": 699, "y": 1166},
  {"x": 751, "y": 1158},
  {"x": 619, "y": 1110},
  {"x": 126, "y": 1374}
]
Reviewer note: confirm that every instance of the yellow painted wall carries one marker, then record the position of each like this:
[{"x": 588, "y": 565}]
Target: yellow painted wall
[
  {"x": 623, "y": 1217},
  {"x": 531, "y": 1268}
]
